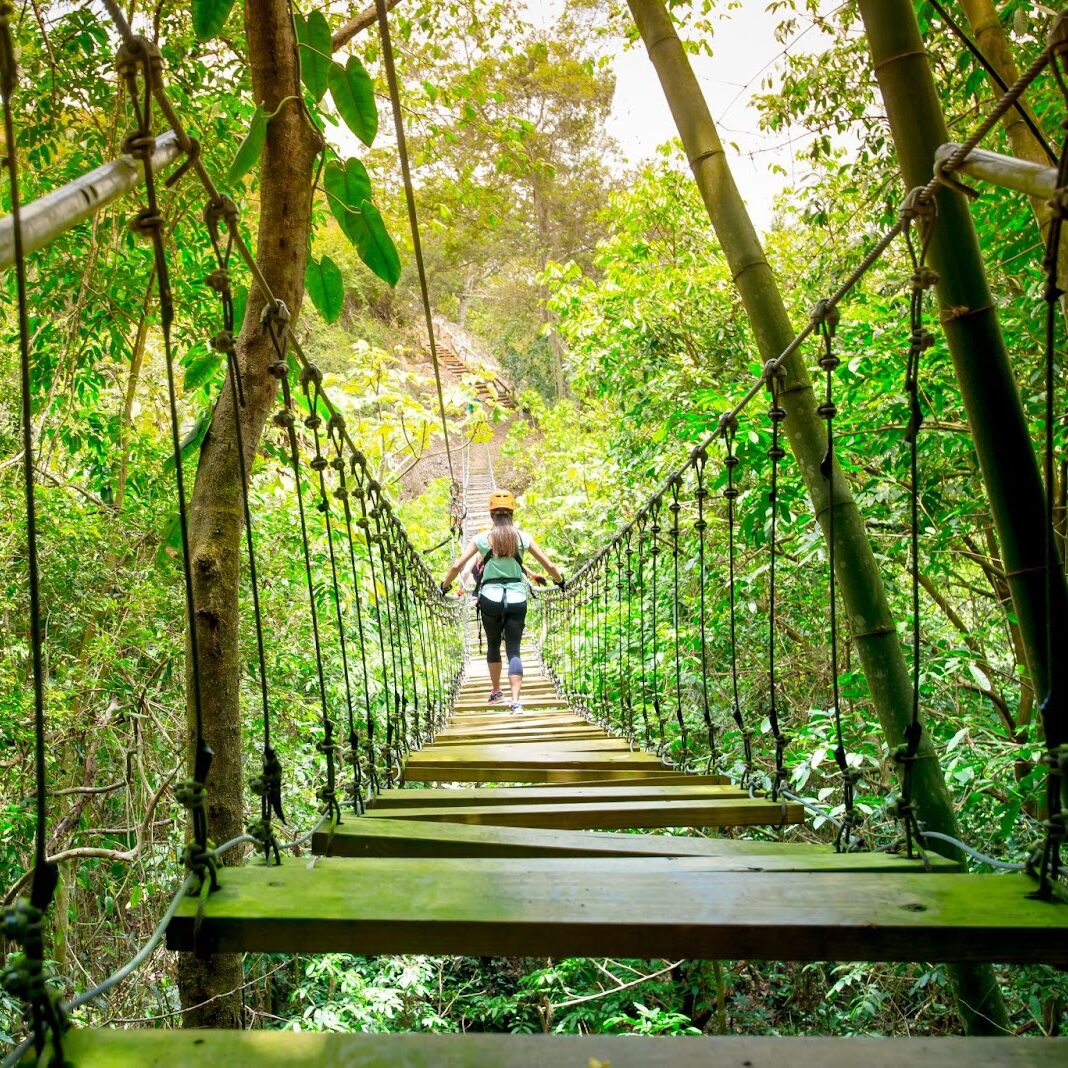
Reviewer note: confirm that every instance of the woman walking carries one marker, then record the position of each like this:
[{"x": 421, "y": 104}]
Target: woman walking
[{"x": 502, "y": 593}]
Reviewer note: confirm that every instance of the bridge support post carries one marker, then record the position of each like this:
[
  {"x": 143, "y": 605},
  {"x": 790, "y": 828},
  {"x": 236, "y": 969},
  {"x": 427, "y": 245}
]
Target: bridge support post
[{"x": 860, "y": 582}]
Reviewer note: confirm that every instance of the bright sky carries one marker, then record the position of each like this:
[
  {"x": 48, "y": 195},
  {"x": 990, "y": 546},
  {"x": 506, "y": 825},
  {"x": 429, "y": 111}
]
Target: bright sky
[{"x": 745, "y": 50}]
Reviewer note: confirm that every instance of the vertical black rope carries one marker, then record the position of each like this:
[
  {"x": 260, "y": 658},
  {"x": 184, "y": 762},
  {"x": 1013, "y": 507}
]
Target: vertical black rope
[
  {"x": 276, "y": 318},
  {"x": 776, "y": 413},
  {"x": 700, "y": 457},
  {"x": 335, "y": 432},
  {"x": 1046, "y": 861},
  {"x": 363, "y": 484},
  {"x": 23, "y": 922},
  {"x": 267, "y": 784},
  {"x": 729, "y": 429},
  {"x": 914, "y": 209},
  {"x": 654, "y": 553},
  {"x": 675, "y": 508},
  {"x": 606, "y": 649},
  {"x": 139, "y": 55},
  {"x": 311, "y": 382},
  {"x": 827, "y": 316},
  {"x": 623, "y": 575},
  {"x": 413, "y": 221},
  {"x": 642, "y": 524},
  {"x": 395, "y": 720}
]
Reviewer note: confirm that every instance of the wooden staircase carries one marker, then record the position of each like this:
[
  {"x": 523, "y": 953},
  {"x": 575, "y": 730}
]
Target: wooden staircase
[{"x": 490, "y": 391}]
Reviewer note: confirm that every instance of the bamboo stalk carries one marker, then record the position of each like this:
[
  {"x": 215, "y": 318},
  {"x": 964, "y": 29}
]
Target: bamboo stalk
[{"x": 860, "y": 582}]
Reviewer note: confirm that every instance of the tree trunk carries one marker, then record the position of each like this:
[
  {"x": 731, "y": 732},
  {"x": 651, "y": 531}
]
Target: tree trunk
[
  {"x": 210, "y": 988},
  {"x": 863, "y": 594}
]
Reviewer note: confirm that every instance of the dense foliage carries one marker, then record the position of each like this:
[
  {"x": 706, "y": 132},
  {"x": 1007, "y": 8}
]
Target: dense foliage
[{"x": 603, "y": 294}]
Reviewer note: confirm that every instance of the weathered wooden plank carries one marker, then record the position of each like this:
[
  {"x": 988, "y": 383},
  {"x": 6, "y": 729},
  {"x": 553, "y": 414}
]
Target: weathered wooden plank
[
  {"x": 530, "y": 772},
  {"x": 720, "y": 812},
  {"x": 546, "y": 795},
  {"x": 369, "y": 836},
  {"x": 514, "y": 737},
  {"x": 663, "y": 777},
  {"x": 547, "y": 743},
  {"x": 262, "y": 1049},
  {"x": 415, "y": 906},
  {"x": 562, "y": 754}
]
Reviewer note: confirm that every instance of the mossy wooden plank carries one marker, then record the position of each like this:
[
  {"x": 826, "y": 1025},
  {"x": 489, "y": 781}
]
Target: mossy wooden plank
[
  {"x": 531, "y": 773},
  {"x": 664, "y": 777},
  {"x": 562, "y": 754},
  {"x": 373, "y": 837},
  {"x": 614, "y": 815},
  {"x": 273, "y": 1049},
  {"x": 546, "y": 795},
  {"x": 547, "y": 743},
  {"x": 414, "y": 906},
  {"x": 517, "y": 737}
]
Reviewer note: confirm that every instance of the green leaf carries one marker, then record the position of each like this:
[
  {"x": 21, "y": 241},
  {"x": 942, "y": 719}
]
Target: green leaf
[
  {"x": 316, "y": 46},
  {"x": 374, "y": 244},
  {"x": 347, "y": 186},
  {"x": 201, "y": 369},
  {"x": 323, "y": 282},
  {"x": 192, "y": 440},
  {"x": 353, "y": 93},
  {"x": 249, "y": 151},
  {"x": 209, "y": 17}
]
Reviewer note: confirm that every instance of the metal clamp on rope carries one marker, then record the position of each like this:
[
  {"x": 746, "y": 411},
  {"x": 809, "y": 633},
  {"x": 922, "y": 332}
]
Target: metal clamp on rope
[
  {"x": 223, "y": 210},
  {"x": 137, "y": 51},
  {"x": 825, "y": 313}
]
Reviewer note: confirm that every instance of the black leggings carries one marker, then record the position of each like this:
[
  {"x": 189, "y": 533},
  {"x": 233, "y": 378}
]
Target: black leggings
[{"x": 507, "y": 620}]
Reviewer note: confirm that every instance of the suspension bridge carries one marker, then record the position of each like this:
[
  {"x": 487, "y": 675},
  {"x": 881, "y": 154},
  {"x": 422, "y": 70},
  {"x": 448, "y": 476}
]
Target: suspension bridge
[{"x": 448, "y": 825}]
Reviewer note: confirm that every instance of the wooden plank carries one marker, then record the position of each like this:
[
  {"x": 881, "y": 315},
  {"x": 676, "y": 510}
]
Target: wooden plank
[
  {"x": 397, "y": 906},
  {"x": 546, "y": 795},
  {"x": 720, "y": 812},
  {"x": 664, "y": 777},
  {"x": 546, "y": 742},
  {"x": 167, "y": 1048},
  {"x": 534, "y": 773},
  {"x": 369, "y": 836},
  {"x": 559, "y": 754},
  {"x": 570, "y": 734}
]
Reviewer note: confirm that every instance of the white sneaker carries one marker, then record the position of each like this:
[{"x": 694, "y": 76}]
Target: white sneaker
[{"x": 516, "y": 708}]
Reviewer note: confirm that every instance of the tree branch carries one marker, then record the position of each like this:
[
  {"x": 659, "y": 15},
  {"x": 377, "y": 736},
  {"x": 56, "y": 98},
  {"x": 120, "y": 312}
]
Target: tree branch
[{"x": 357, "y": 24}]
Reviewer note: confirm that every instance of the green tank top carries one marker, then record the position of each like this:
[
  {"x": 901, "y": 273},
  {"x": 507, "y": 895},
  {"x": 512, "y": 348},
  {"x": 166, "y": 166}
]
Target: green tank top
[{"x": 501, "y": 570}]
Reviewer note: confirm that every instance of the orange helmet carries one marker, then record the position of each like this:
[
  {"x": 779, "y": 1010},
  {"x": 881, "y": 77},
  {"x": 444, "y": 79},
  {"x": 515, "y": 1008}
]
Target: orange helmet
[{"x": 501, "y": 501}]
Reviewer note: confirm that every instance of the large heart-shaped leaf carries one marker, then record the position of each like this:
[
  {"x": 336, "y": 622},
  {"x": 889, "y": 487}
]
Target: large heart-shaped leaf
[
  {"x": 250, "y": 149},
  {"x": 209, "y": 17},
  {"x": 374, "y": 244},
  {"x": 347, "y": 186},
  {"x": 323, "y": 282},
  {"x": 353, "y": 94},
  {"x": 316, "y": 45}
]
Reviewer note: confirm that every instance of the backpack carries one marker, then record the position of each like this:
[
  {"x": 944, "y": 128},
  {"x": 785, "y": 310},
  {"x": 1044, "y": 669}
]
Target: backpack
[{"x": 478, "y": 572}]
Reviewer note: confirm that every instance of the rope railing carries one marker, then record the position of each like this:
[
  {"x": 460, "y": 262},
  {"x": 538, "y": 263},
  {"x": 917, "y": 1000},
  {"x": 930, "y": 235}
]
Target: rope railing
[
  {"x": 609, "y": 657},
  {"x": 414, "y": 693}
]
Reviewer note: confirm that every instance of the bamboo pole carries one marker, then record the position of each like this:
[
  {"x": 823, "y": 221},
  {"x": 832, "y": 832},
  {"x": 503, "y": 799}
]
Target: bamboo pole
[
  {"x": 47, "y": 217},
  {"x": 863, "y": 593},
  {"x": 988, "y": 388},
  {"x": 1034, "y": 179}
]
